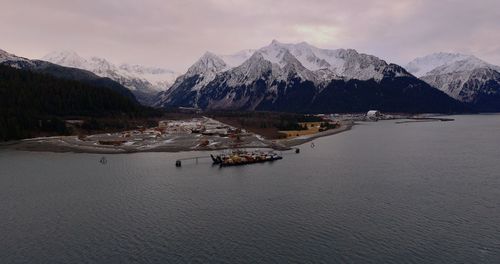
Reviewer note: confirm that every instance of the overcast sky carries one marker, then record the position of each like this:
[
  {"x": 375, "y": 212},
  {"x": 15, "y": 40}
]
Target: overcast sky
[{"x": 174, "y": 33}]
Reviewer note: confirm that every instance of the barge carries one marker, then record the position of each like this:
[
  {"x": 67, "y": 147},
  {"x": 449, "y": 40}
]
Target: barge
[{"x": 236, "y": 158}]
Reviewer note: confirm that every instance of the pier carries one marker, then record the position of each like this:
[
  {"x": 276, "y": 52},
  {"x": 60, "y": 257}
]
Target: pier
[{"x": 178, "y": 162}]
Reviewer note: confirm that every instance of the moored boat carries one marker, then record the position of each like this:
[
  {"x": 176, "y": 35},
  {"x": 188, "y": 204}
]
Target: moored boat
[{"x": 239, "y": 157}]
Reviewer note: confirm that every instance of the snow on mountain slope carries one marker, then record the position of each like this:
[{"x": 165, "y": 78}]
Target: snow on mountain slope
[
  {"x": 340, "y": 63},
  {"x": 347, "y": 63},
  {"x": 12, "y": 59},
  {"x": 157, "y": 77},
  {"x": 462, "y": 85},
  {"x": 208, "y": 63},
  {"x": 258, "y": 67},
  {"x": 467, "y": 85},
  {"x": 161, "y": 77},
  {"x": 144, "y": 82},
  {"x": 305, "y": 53},
  {"x": 5, "y": 56},
  {"x": 423, "y": 65},
  {"x": 240, "y": 80},
  {"x": 68, "y": 59},
  {"x": 443, "y": 63},
  {"x": 201, "y": 73},
  {"x": 236, "y": 59},
  {"x": 243, "y": 67},
  {"x": 206, "y": 68},
  {"x": 62, "y": 72},
  {"x": 242, "y": 87},
  {"x": 463, "y": 77},
  {"x": 468, "y": 64}
]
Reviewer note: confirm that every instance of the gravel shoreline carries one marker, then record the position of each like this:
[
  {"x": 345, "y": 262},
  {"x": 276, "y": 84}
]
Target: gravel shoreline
[{"x": 72, "y": 144}]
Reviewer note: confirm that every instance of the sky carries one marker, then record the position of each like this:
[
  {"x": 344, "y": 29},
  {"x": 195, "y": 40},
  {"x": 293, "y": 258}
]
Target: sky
[{"x": 175, "y": 33}]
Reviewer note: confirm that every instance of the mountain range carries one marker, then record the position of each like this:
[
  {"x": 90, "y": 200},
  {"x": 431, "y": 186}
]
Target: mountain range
[
  {"x": 58, "y": 71},
  {"x": 302, "y": 78},
  {"x": 464, "y": 77},
  {"x": 144, "y": 82},
  {"x": 292, "y": 77}
]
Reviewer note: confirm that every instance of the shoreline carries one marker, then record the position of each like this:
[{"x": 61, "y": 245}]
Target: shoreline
[
  {"x": 70, "y": 144},
  {"x": 289, "y": 143}
]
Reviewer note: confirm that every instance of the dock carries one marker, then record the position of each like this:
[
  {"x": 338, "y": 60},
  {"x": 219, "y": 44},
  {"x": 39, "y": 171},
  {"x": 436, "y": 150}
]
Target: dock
[
  {"x": 178, "y": 163},
  {"x": 237, "y": 157}
]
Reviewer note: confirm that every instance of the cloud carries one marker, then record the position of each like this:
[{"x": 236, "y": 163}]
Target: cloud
[
  {"x": 174, "y": 33},
  {"x": 321, "y": 34}
]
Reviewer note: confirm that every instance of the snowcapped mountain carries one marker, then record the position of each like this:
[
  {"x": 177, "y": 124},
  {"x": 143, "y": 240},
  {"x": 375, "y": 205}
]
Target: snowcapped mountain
[
  {"x": 202, "y": 72},
  {"x": 58, "y": 71},
  {"x": 67, "y": 59},
  {"x": 347, "y": 63},
  {"x": 297, "y": 77},
  {"x": 421, "y": 66},
  {"x": 13, "y": 60},
  {"x": 5, "y": 56},
  {"x": 463, "y": 77},
  {"x": 144, "y": 82}
]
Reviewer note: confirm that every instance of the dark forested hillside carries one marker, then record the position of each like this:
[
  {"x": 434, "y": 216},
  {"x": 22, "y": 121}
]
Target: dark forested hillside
[
  {"x": 401, "y": 94},
  {"x": 32, "y": 101},
  {"x": 68, "y": 73}
]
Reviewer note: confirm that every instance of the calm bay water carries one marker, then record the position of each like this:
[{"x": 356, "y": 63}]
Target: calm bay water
[{"x": 381, "y": 193}]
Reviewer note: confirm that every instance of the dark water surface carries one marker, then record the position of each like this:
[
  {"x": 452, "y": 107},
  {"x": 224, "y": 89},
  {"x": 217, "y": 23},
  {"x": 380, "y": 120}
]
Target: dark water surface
[{"x": 381, "y": 193}]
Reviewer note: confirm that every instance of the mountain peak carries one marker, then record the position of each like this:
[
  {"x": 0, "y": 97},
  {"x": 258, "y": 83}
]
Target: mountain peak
[
  {"x": 62, "y": 54},
  {"x": 275, "y": 42},
  {"x": 209, "y": 55},
  {"x": 68, "y": 58},
  {"x": 461, "y": 76},
  {"x": 252, "y": 69},
  {"x": 208, "y": 62},
  {"x": 446, "y": 61},
  {"x": 144, "y": 82},
  {"x": 301, "y": 57},
  {"x": 274, "y": 52},
  {"x": 299, "y": 77}
]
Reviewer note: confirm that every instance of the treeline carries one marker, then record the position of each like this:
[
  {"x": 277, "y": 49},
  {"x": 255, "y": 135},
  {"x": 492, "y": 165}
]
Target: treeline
[
  {"x": 31, "y": 103},
  {"x": 279, "y": 121}
]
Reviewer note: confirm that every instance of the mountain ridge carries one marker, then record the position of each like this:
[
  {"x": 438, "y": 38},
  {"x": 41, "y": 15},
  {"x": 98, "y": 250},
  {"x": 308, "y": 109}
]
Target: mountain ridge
[
  {"x": 144, "y": 82},
  {"x": 39, "y": 66},
  {"x": 464, "y": 77},
  {"x": 280, "y": 76}
]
